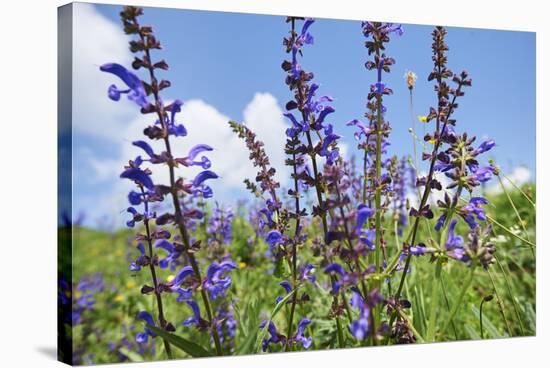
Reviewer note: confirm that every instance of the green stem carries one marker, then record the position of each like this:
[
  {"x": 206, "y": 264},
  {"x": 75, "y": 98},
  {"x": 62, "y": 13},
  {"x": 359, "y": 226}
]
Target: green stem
[
  {"x": 521, "y": 191},
  {"x": 516, "y": 212},
  {"x": 430, "y": 334},
  {"x": 481, "y": 318},
  {"x": 511, "y": 295},
  {"x": 378, "y": 192},
  {"x": 499, "y": 303},
  {"x": 458, "y": 303},
  {"x": 441, "y": 284}
]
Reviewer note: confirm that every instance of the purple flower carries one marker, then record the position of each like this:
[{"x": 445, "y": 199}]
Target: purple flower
[
  {"x": 307, "y": 273},
  {"x": 274, "y": 237},
  {"x": 195, "y": 319},
  {"x": 142, "y": 337},
  {"x": 217, "y": 281},
  {"x": 299, "y": 336},
  {"x": 180, "y": 277},
  {"x": 203, "y": 176},
  {"x": 204, "y": 162},
  {"x": 360, "y": 328},
  {"x": 172, "y": 259},
  {"x": 362, "y": 129},
  {"x": 139, "y": 176},
  {"x": 418, "y": 250},
  {"x": 474, "y": 209},
  {"x": 288, "y": 288},
  {"x": 453, "y": 241},
  {"x": 136, "y": 217},
  {"x": 136, "y": 265},
  {"x": 329, "y": 139},
  {"x": 177, "y": 130},
  {"x": 483, "y": 174},
  {"x": 134, "y": 198},
  {"x": 135, "y": 91},
  {"x": 440, "y": 222},
  {"x": 363, "y": 214},
  {"x": 335, "y": 269},
  {"x": 485, "y": 146},
  {"x": 275, "y": 336}
]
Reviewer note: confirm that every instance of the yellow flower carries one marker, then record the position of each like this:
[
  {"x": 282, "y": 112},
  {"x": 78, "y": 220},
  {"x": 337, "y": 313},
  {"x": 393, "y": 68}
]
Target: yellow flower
[
  {"x": 524, "y": 222},
  {"x": 170, "y": 278},
  {"x": 119, "y": 298},
  {"x": 431, "y": 141},
  {"x": 422, "y": 118},
  {"x": 130, "y": 284},
  {"x": 242, "y": 265}
]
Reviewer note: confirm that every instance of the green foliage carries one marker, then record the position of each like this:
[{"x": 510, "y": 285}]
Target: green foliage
[{"x": 256, "y": 286}]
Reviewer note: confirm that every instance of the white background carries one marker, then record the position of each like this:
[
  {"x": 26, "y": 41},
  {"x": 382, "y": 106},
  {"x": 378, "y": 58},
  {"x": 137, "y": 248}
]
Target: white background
[{"x": 28, "y": 179}]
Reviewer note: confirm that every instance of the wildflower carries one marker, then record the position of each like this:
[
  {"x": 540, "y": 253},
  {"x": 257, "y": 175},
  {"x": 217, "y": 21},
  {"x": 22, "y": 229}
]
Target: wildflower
[
  {"x": 217, "y": 281},
  {"x": 363, "y": 214},
  {"x": 135, "y": 91},
  {"x": 299, "y": 336},
  {"x": 454, "y": 244},
  {"x": 410, "y": 78},
  {"x": 174, "y": 253},
  {"x": 473, "y": 210},
  {"x": 189, "y": 160},
  {"x": 288, "y": 288},
  {"x": 273, "y": 237},
  {"x": 203, "y": 176},
  {"x": 195, "y": 319},
  {"x": 485, "y": 146},
  {"x": 142, "y": 337},
  {"x": 481, "y": 247},
  {"x": 361, "y": 327},
  {"x": 139, "y": 176},
  {"x": 275, "y": 336}
]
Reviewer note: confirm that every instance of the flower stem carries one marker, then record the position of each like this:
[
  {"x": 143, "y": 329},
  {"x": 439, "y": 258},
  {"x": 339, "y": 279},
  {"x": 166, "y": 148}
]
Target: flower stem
[
  {"x": 162, "y": 319},
  {"x": 458, "y": 303},
  {"x": 521, "y": 222},
  {"x": 430, "y": 334},
  {"x": 294, "y": 257},
  {"x": 499, "y": 303},
  {"x": 177, "y": 205}
]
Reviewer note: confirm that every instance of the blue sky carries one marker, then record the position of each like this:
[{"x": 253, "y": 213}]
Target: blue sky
[{"x": 225, "y": 59}]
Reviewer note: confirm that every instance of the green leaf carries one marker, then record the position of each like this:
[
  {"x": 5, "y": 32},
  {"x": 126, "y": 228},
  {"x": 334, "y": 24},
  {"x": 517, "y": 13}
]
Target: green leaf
[
  {"x": 489, "y": 328},
  {"x": 531, "y": 317},
  {"x": 273, "y": 314},
  {"x": 474, "y": 335},
  {"x": 252, "y": 312},
  {"x": 132, "y": 355},
  {"x": 187, "y": 346}
]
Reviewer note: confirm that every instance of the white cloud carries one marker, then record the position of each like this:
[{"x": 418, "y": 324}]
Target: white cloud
[
  {"x": 520, "y": 175},
  {"x": 205, "y": 124},
  {"x": 96, "y": 41}
]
